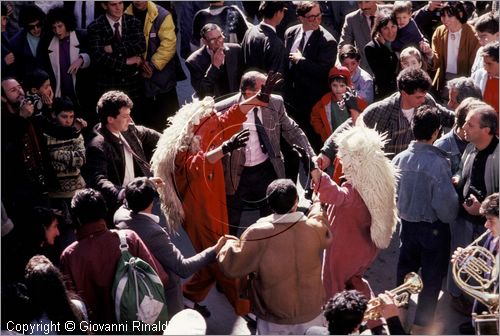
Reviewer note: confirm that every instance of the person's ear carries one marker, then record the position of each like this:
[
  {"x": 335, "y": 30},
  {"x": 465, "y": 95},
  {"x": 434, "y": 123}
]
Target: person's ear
[{"x": 4, "y": 100}]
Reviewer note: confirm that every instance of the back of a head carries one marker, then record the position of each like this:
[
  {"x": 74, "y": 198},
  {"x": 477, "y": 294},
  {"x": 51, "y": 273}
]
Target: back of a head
[
  {"x": 491, "y": 50},
  {"x": 413, "y": 79},
  {"x": 465, "y": 88},
  {"x": 425, "y": 122},
  {"x": 87, "y": 206},
  {"x": 344, "y": 312},
  {"x": 268, "y": 8},
  {"x": 281, "y": 195},
  {"x": 140, "y": 194}
]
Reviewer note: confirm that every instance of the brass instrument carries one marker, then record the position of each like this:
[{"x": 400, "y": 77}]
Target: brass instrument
[
  {"x": 412, "y": 285},
  {"x": 475, "y": 271}
]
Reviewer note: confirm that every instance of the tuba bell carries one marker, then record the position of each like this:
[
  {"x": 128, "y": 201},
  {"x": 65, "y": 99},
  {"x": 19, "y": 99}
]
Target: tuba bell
[
  {"x": 412, "y": 285},
  {"x": 475, "y": 271}
]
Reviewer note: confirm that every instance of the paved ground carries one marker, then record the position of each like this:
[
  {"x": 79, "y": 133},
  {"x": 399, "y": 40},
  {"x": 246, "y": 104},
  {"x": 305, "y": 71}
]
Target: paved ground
[{"x": 382, "y": 275}]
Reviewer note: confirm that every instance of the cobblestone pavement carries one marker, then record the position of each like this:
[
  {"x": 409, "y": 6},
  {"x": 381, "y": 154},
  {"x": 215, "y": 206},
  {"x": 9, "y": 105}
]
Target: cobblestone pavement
[{"x": 382, "y": 274}]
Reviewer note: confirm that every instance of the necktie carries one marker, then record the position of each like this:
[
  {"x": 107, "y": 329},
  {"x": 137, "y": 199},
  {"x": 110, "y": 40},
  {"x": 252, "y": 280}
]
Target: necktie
[
  {"x": 302, "y": 42},
  {"x": 372, "y": 22},
  {"x": 265, "y": 144},
  {"x": 117, "y": 37},
  {"x": 145, "y": 166}
]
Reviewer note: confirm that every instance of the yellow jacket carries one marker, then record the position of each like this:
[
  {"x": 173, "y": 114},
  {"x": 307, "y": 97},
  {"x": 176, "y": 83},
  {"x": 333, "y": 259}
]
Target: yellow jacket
[{"x": 166, "y": 50}]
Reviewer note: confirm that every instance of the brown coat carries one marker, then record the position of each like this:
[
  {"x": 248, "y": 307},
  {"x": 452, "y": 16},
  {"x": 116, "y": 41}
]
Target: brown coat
[
  {"x": 466, "y": 53},
  {"x": 282, "y": 255}
]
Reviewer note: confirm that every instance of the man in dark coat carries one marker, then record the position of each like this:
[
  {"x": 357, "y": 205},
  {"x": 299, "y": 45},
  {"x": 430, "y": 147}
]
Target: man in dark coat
[{"x": 215, "y": 68}]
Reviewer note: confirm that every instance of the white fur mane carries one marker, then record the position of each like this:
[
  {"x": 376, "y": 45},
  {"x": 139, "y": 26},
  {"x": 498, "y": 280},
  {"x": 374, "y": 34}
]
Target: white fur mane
[
  {"x": 373, "y": 176},
  {"x": 177, "y": 137}
]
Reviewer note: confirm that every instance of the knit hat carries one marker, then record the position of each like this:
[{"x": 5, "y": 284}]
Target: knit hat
[{"x": 339, "y": 71}]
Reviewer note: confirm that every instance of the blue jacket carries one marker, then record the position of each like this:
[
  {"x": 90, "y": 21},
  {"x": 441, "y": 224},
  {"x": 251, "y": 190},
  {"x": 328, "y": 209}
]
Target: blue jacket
[
  {"x": 425, "y": 192},
  {"x": 448, "y": 143}
]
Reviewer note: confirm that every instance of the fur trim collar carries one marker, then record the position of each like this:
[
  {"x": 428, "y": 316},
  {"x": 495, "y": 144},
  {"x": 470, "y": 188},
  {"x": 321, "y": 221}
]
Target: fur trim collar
[
  {"x": 177, "y": 137},
  {"x": 373, "y": 176}
]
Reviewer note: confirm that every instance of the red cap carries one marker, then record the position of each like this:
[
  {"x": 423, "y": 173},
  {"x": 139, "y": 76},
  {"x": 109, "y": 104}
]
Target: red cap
[{"x": 340, "y": 71}]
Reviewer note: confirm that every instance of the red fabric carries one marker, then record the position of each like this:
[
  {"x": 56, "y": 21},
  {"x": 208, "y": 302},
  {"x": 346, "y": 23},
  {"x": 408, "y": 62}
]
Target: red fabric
[
  {"x": 491, "y": 93},
  {"x": 201, "y": 185},
  {"x": 89, "y": 267},
  {"x": 352, "y": 250}
]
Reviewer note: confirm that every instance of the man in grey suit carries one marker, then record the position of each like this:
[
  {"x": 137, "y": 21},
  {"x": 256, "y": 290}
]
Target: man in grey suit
[
  {"x": 137, "y": 216},
  {"x": 249, "y": 170},
  {"x": 357, "y": 29},
  {"x": 216, "y": 67}
]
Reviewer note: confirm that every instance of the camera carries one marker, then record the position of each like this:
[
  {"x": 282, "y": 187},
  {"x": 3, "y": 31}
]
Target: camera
[{"x": 34, "y": 99}]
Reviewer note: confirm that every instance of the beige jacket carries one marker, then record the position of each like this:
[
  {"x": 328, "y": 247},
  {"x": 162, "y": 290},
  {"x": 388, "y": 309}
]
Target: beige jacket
[{"x": 282, "y": 255}]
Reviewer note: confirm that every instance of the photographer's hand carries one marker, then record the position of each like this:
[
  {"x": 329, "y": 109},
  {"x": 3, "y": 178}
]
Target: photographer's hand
[{"x": 472, "y": 205}]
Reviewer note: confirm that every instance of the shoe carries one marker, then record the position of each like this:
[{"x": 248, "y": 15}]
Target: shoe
[
  {"x": 466, "y": 328},
  {"x": 461, "y": 305},
  {"x": 203, "y": 310}
]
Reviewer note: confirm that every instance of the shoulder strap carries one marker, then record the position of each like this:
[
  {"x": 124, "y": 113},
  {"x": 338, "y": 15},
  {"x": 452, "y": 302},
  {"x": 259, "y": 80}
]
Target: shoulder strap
[{"x": 123, "y": 241}]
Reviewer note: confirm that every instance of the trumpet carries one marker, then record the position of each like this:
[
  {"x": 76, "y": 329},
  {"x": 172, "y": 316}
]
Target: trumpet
[
  {"x": 412, "y": 285},
  {"x": 475, "y": 271}
]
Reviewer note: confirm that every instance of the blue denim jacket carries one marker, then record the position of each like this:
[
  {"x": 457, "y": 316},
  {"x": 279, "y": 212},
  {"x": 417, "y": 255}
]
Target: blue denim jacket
[
  {"x": 448, "y": 144},
  {"x": 425, "y": 192}
]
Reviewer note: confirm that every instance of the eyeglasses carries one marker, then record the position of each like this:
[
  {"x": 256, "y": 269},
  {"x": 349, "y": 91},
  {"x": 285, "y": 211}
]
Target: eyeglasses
[
  {"x": 482, "y": 38},
  {"x": 216, "y": 39},
  {"x": 311, "y": 18},
  {"x": 33, "y": 26}
]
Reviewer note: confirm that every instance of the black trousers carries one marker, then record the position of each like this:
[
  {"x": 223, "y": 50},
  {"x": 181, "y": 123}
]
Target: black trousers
[{"x": 250, "y": 194}]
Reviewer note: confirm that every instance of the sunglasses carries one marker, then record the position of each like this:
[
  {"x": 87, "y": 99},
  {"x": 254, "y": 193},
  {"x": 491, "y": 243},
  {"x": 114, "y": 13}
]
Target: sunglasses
[{"x": 33, "y": 26}]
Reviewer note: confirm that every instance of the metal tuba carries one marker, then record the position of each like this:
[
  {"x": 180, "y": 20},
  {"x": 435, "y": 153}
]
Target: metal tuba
[
  {"x": 411, "y": 285},
  {"x": 475, "y": 271}
]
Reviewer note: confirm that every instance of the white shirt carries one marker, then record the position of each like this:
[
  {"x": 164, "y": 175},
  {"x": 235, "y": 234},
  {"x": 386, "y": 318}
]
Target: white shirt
[
  {"x": 453, "y": 45},
  {"x": 155, "y": 218},
  {"x": 296, "y": 43},
  {"x": 408, "y": 114},
  {"x": 253, "y": 151},
  {"x": 112, "y": 24},
  {"x": 129, "y": 162}
]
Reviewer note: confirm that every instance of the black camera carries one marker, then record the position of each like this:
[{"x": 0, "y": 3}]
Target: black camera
[
  {"x": 34, "y": 99},
  {"x": 474, "y": 191}
]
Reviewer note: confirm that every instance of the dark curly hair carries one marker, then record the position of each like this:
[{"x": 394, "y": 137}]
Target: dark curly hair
[
  {"x": 88, "y": 205},
  {"x": 29, "y": 14},
  {"x": 61, "y": 14},
  {"x": 412, "y": 79},
  {"x": 110, "y": 103},
  {"x": 345, "y": 311}
]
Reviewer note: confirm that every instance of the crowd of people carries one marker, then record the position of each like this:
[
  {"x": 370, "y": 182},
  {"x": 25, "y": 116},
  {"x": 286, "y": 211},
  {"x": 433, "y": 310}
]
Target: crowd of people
[{"x": 390, "y": 107}]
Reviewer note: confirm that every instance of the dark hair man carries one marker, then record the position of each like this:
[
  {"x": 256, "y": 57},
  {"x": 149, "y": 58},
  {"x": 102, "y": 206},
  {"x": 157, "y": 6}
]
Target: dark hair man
[
  {"x": 267, "y": 251},
  {"x": 427, "y": 204},
  {"x": 395, "y": 113},
  {"x": 89, "y": 263}
]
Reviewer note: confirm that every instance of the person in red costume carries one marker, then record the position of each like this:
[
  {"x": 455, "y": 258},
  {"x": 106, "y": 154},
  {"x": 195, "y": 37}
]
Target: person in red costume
[{"x": 188, "y": 160}]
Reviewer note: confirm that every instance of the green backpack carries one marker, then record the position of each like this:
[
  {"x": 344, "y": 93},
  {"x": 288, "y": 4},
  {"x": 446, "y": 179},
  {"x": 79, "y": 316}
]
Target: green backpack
[{"x": 137, "y": 292}]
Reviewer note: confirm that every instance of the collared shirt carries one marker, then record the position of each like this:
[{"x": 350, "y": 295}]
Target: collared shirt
[
  {"x": 112, "y": 24},
  {"x": 268, "y": 25},
  {"x": 295, "y": 45},
  {"x": 33, "y": 43},
  {"x": 155, "y": 218},
  {"x": 129, "y": 162},
  {"x": 253, "y": 150}
]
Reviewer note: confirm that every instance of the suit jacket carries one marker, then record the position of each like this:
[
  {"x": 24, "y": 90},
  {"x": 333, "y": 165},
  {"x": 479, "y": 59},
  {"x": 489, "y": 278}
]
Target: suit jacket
[
  {"x": 111, "y": 70},
  {"x": 158, "y": 242},
  {"x": 105, "y": 167},
  {"x": 356, "y": 31},
  {"x": 307, "y": 81},
  {"x": 207, "y": 80},
  {"x": 78, "y": 47},
  {"x": 466, "y": 53},
  {"x": 25, "y": 61},
  {"x": 263, "y": 49},
  {"x": 276, "y": 123}
]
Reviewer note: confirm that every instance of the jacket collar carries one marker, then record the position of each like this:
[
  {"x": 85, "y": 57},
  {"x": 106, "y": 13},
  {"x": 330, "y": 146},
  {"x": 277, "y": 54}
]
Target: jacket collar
[
  {"x": 420, "y": 146},
  {"x": 91, "y": 229}
]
